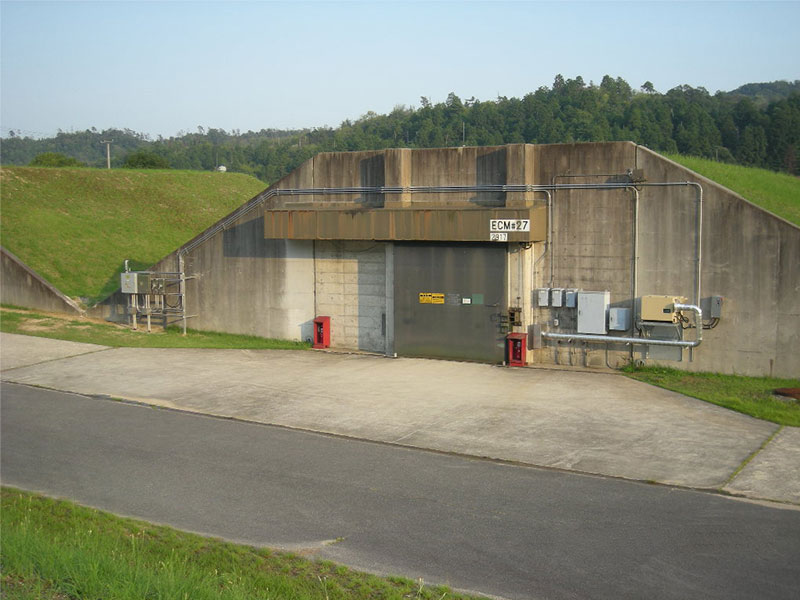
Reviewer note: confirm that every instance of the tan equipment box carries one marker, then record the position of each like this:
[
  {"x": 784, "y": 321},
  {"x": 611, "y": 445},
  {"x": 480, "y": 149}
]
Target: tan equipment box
[{"x": 659, "y": 308}]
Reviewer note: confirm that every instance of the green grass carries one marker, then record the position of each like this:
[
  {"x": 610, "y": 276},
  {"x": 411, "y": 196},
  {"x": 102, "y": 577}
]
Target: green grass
[
  {"x": 76, "y": 226},
  {"x": 749, "y": 395},
  {"x": 59, "y": 550},
  {"x": 779, "y": 193},
  {"x": 26, "y": 322}
]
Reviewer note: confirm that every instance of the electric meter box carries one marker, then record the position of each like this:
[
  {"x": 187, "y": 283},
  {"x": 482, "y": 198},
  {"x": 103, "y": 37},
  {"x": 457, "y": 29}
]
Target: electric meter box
[
  {"x": 135, "y": 282},
  {"x": 543, "y": 297},
  {"x": 557, "y": 297},
  {"x": 593, "y": 312},
  {"x": 659, "y": 308}
]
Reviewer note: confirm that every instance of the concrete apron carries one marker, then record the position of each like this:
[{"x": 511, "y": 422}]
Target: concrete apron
[{"x": 594, "y": 423}]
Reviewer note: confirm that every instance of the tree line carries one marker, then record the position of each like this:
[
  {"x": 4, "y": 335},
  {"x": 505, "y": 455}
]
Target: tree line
[{"x": 757, "y": 125}]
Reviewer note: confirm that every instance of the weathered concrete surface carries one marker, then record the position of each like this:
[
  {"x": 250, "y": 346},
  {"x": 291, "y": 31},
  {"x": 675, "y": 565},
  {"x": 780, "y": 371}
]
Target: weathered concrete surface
[
  {"x": 24, "y": 350},
  {"x": 588, "y": 422},
  {"x": 243, "y": 283},
  {"x": 22, "y": 286},
  {"x": 777, "y": 467},
  {"x": 350, "y": 280},
  {"x": 750, "y": 257}
]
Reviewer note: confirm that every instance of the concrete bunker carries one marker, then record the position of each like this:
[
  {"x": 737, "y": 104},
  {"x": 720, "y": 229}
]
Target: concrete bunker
[{"x": 443, "y": 252}]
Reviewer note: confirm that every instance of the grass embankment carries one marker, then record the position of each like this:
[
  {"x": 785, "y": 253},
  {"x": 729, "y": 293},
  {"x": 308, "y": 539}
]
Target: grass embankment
[
  {"x": 75, "y": 227},
  {"x": 749, "y": 395},
  {"x": 61, "y": 327},
  {"x": 54, "y": 549},
  {"x": 779, "y": 193}
]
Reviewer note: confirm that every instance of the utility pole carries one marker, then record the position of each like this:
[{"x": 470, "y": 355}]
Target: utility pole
[{"x": 108, "y": 151}]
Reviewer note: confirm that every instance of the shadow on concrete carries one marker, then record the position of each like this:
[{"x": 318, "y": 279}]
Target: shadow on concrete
[
  {"x": 372, "y": 173},
  {"x": 490, "y": 169},
  {"x": 247, "y": 241}
]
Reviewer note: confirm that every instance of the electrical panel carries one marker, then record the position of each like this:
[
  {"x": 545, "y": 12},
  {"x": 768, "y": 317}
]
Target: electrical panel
[
  {"x": 135, "y": 282},
  {"x": 571, "y": 298},
  {"x": 543, "y": 297},
  {"x": 557, "y": 297},
  {"x": 619, "y": 319},
  {"x": 593, "y": 312},
  {"x": 128, "y": 282},
  {"x": 659, "y": 308}
]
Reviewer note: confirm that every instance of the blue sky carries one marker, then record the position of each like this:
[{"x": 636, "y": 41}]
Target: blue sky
[{"x": 165, "y": 67}]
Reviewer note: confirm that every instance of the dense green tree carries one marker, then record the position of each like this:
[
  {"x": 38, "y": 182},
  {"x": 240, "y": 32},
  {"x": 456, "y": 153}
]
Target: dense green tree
[
  {"x": 145, "y": 159},
  {"x": 757, "y": 124},
  {"x": 55, "y": 159}
]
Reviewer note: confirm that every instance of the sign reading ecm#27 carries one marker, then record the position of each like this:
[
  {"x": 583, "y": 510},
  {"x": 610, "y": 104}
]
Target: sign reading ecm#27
[{"x": 509, "y": 225}]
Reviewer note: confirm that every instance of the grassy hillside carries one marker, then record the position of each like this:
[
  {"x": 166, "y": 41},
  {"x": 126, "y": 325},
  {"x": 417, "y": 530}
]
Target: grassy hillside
[
  {"x": 777, "y": 192},
  {"x": 75, "y": 227}
]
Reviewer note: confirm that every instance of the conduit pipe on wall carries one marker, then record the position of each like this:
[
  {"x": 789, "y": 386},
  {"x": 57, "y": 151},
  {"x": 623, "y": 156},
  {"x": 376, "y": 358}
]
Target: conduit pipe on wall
[
  {"x": 609, "y": 339},
  {"x": 497, "y": 188},
  {"x": 635, "y": 270}
]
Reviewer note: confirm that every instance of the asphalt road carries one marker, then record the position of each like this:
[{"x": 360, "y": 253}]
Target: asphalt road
[{"x": 514, "y": 532}]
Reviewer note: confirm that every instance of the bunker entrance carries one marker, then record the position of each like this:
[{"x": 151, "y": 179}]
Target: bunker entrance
[{"x": 449, "y": 300}]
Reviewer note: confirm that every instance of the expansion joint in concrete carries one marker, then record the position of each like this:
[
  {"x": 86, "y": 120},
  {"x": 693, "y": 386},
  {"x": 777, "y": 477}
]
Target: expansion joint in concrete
[
  {"x": 755, "y": 453},
  {"x": 49, "y": 360}
]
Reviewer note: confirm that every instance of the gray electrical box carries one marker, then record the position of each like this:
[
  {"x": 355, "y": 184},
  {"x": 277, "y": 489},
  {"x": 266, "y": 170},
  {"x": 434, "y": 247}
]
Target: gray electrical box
[
  {"x": 593, "y": 312},
  {"x": 135, "y": 282},
  {"x": 543, "y": 297},
  {"x": 716, "y": 307},
  {"x": 619, "y": 319},
  {"x": 557, "y": 297},
  {"x": 128, "y": 283},
  {"x": 571, "y": 298}
]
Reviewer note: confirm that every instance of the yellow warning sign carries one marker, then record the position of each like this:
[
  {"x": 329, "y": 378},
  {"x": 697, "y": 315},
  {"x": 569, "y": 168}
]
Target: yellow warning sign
[{"x": 431, "y": 298}]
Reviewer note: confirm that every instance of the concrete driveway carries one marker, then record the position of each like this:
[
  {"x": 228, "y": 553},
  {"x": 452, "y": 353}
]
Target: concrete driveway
[{"x": 596, "y": 423}]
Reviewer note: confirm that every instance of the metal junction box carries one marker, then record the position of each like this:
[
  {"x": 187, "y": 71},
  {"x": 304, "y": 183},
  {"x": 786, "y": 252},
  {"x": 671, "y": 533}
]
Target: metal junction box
[
  {"x": 592, "y": 312},
  {"x": 659, "y": 308},
  {"x": 543, "y": 297},
  {"x": 135, "y": 282},
  {"x": 571, "y": 298},
  {"x": 716, "y": 307},
  {"x": 557, "y": 297},
  {"x": 619, "y": 319}
]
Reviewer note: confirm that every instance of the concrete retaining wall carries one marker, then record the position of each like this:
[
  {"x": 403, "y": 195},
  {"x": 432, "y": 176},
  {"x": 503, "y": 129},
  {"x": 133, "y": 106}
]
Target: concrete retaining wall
[
  {"x": 22, "y": 286},
  {"x": 750, "y": 257}
]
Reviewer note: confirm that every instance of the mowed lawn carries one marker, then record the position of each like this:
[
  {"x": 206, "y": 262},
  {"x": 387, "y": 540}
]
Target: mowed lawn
[
  {"x": 778, "y": 193},
  {"x": 76, "y": 226}
]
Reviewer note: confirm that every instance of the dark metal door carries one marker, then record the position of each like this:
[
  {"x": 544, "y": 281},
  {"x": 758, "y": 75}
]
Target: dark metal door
[{"x": 448, "y": 299}]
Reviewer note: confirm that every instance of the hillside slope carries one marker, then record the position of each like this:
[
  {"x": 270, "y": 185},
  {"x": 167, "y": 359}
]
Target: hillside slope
[
  {"x": 75, "y": 227},
  {"x": 778, "y": 193}
]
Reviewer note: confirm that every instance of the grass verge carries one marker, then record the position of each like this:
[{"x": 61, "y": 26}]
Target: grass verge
[
  {"x": 59, "y": 550},
  {"x": 90, "y": 331},
  {"x": 749, "y": 395},
  {"x": 779, "y": 193}
]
